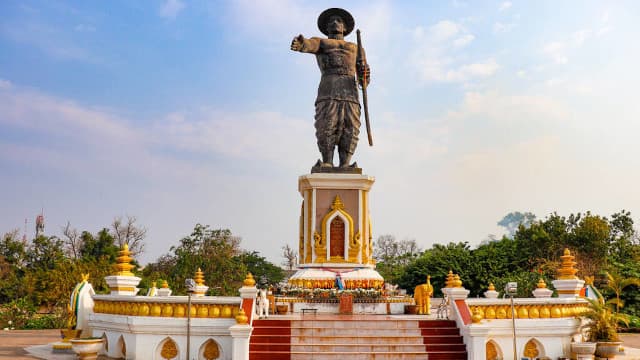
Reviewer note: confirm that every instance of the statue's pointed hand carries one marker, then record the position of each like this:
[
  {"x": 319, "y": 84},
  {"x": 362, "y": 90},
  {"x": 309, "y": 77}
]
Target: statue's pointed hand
[{"x": 297, "y": 43}]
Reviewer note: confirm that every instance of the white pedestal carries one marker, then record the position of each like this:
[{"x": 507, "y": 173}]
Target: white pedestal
[
  {"x": 568, "y": 288},
  {"x": 240, "y": 335},
  {"x": 122, "y": 285},
  {"x": 542, "y": 293}
]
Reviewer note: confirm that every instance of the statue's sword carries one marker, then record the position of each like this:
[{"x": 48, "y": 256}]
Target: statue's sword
[{"x": 365, "y": 103}]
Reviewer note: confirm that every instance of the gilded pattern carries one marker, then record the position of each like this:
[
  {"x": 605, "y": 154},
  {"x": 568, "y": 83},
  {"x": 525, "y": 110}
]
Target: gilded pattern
[
  {"x": 491, "y": 352},
  {"x": 363, "y": 249},
  {"x": 310, "y": 214},
  {"x": 123, "y": 347},
  {"x": 211, "y": 350},
  {"x": 371, "y": 260},
  {"x": 319, "y": 247},
  {"x": 354, "y": 248},
  {"x": 164, "y": 309},
  {"x": 301, "y": 240},
  {"x": 531, "y": 350},
  {"x": 169, "y": 350},
  {"x": 336, "y": 208},
  {"x": 531, "y": 311}
]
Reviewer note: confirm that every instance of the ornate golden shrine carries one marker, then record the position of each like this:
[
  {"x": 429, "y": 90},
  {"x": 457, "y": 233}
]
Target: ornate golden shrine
[
  {"x": 335, "y": 232},
  {"x": 335, "y": 226}
]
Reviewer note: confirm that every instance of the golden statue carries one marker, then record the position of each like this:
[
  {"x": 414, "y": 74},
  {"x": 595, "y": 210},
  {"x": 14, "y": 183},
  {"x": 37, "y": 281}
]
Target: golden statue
[{"x": 422, "y": 296}]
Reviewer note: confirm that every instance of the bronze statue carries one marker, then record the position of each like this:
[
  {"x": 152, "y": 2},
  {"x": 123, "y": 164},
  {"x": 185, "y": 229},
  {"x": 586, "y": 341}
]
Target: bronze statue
[{"x": 337, "y": 118}]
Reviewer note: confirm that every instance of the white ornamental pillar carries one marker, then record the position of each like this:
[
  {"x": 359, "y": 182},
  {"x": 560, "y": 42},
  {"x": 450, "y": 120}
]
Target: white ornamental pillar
[{"x": 241, "y": 334}]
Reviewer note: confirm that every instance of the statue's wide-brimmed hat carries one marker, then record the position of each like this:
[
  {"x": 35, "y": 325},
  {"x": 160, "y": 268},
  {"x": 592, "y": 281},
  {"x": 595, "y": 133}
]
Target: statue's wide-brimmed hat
[{"x": 323, "y": 19}]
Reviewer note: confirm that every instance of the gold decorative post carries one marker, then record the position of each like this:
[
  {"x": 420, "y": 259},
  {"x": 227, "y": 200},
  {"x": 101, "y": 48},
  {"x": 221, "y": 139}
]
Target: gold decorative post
[
  {"x": 200, "y": 288},
  {"x": 567, "y": 269},
  {"x": 123, "y": 282},
  {"x": 449, "y": 282},
  {"x": 249, "y": 281},
  {"x": 567, "y": 284},
  {"x": 123, "y": 262}
]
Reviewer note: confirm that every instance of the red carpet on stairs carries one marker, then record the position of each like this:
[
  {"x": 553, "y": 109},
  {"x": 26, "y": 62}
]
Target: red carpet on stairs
[
  {"x": 356, "y": 337},
  {"x": 270, "y": 340},
  {"x": 442, "y": 340}
]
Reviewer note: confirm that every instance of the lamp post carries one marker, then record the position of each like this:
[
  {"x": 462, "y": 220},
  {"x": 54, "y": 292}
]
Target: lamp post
[
  {"x": 190, "y": 284},
  {"x": 511, "y": 289}
]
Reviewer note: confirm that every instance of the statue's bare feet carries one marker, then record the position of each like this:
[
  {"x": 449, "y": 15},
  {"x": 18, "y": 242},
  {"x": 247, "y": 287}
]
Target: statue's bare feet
[{"x": 326, "y": 165}]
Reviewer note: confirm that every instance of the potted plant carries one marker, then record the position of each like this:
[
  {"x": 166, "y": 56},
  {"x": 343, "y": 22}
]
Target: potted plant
[{"x": 602, "y": 327}]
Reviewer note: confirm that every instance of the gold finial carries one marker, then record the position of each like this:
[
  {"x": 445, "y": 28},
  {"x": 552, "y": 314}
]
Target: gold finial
[
  {"x": 154, "y": 284},
  {"x": 476, "y": 317},
  {"x": 428, "y": 279},
  {"x": 449, "y": 282},
  {"x": 541, "y": 284},
  {"x": 249, "y": 281},
  {"x": 242, "y": 318},
  {"x": 491, "y": 287},
  {"x": 199, "y": 278},
  {"x": 123, "y": 262},
  {"x": 457, "y": 283},
  {"x": 337, "y": 204},
  {"x": 165, "y": 284},
  {"x": 588, "y": 280},
  {"x": 567, "y": 270},
  {"x": 85, "y": 277}
]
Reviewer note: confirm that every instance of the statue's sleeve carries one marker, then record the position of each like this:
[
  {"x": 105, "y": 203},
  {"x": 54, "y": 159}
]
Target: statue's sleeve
[{"x": 311, "y": 45}]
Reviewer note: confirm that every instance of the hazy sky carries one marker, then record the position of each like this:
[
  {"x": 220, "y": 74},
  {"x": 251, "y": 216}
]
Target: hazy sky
[{"x": 179, "y": 112}]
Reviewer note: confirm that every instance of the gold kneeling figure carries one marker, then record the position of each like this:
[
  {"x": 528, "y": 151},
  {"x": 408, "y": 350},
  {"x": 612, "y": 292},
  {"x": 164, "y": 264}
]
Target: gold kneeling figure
[{"x": 422, "y": 296}]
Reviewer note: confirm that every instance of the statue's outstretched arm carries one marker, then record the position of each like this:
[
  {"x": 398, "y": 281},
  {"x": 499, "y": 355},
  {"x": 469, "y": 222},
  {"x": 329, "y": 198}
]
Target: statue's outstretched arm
[{"x": 299, "y": 43}]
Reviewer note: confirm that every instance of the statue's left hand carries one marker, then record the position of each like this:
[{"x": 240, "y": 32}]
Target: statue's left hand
[{"x": 364, "y": 74}]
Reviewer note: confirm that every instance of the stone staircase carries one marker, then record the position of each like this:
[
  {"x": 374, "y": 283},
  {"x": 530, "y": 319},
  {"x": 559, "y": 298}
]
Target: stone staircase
[{"x": 355, "y": 337}]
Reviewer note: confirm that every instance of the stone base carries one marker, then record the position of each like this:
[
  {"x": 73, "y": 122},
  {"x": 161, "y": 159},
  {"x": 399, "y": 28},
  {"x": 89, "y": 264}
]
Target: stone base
[
  {"x": 379, "y": 308},
  {"x": 353, "y": 169}
]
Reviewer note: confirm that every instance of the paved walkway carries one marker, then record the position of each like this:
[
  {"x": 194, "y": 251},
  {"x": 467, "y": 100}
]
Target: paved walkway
[{"x": 13, "y": 344}]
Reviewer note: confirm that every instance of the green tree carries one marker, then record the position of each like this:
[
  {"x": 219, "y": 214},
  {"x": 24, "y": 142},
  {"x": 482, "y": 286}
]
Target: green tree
[
  {"x": 437, "y": 262},
  {"x": 260, "y": 268},
  {"x": 97, "y": 247},
  {"x": 215, "y": 252}
]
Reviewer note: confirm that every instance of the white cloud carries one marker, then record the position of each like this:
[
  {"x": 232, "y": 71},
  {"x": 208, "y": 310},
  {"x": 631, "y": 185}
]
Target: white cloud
[
  {"x": 84, "y": 28},
  {"x": 463, "y": 40},
  {"x": 437, "y": 54},
  {"x": 505, "y": 6},
  {"x": 556, "y": 51},
  {"x": 579, "y": 37},
  {"x": 5, "y": 84},
  {"x": 171, "y": 8},
  {"x": 241, "y": 136},
  {"x": 500, "y": 28},
  {"x": 48, "y": 39}
]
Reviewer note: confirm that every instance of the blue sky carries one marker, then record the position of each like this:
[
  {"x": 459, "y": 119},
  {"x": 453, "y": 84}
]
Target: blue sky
[{"x": 180, "y": 112}]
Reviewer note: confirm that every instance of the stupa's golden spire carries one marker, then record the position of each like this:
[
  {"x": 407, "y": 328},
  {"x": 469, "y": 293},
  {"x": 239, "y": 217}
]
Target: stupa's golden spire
[
  {"x": 541, "y": 284},
  {"x": 199, "y": 278},
  {"x": 567, "y": 269},
  {"x": 123, "y": 260}
]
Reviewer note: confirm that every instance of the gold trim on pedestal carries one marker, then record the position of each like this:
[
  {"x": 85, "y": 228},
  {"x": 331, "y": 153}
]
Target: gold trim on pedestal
[
  {"x": 354, "y": 248},
  {"x": 310, "y": 232},
  {"x": 123, "y": 288},
  {"x": 319, "y": 247},
  {"x": 301, "y": 237}
]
